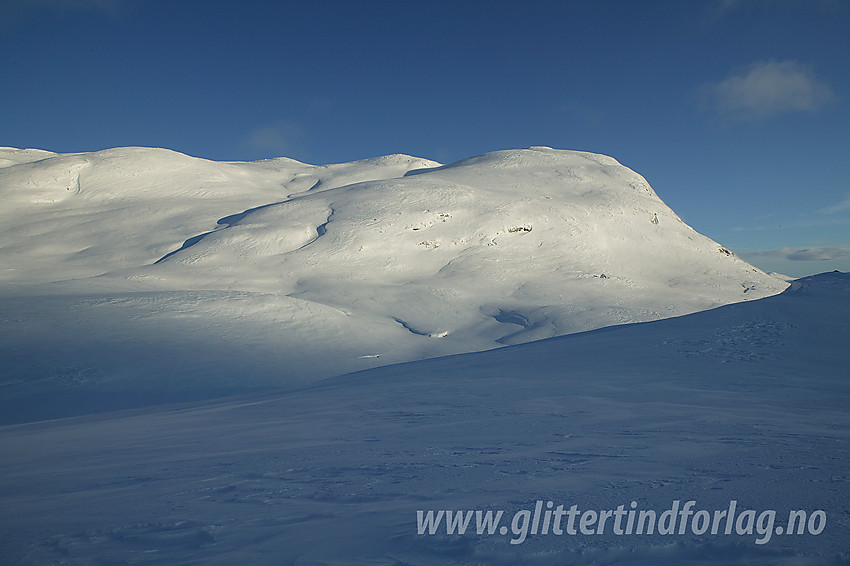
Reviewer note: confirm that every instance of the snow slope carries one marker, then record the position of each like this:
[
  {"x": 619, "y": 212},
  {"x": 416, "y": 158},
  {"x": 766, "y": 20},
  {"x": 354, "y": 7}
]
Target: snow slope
[
  {"x": 81, "y": 215},
  {"x": 133, "y": 275},
  {"x": 746, "y": 402}
]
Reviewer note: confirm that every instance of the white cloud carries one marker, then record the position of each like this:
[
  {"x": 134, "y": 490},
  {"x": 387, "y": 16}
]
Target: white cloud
[
  {"x": 769, "y": 88},
  {"x": 828, "y": 253}
]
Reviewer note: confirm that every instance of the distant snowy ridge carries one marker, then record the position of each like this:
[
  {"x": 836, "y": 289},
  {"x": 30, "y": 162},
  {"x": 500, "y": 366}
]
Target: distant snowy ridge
[{"x": 321, "y": 270}]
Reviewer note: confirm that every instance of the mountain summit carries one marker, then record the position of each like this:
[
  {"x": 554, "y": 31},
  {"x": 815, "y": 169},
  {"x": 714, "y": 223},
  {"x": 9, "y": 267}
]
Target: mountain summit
[{"x": 311, "y": 271}]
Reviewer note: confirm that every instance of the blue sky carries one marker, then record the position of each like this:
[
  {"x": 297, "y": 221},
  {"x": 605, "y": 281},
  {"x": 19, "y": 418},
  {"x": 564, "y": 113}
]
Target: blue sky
[{"x": 735, "y": 111}]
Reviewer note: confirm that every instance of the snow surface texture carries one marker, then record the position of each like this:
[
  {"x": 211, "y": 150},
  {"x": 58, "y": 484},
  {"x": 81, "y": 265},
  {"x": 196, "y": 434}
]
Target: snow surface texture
[
  {"x": 134, "y": 276},
  {"x": 745, "y": 402},
  {"x": 218, "y": 305}
]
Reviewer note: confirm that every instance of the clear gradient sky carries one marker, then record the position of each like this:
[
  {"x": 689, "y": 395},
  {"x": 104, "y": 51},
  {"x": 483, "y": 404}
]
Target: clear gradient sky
[{"x": 736, "y": 111}]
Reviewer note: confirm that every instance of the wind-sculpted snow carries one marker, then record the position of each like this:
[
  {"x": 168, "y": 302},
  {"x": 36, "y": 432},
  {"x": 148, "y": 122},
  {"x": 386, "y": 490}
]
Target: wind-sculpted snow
[
  {"x": 82, "y": 215},
  {"x": 321, "y": 270}
]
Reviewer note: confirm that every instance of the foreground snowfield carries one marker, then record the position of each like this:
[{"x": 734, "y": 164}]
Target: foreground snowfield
[{"x": 746, "y": 402}]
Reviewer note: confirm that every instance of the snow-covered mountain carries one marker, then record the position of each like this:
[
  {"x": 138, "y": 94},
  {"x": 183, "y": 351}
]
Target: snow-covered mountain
[
  {"x": 210, "y": 299},
  {"x": 313, "y": 271}
]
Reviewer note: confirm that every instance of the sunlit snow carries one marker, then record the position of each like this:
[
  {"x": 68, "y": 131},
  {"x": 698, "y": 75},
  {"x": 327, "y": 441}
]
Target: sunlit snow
[{"x": 200, "y": 364}]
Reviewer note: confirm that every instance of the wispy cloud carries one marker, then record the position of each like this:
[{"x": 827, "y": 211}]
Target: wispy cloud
[
  {"x": 768, "y": 88},
  {"x": 840, "y": 207},
  {"x": 282, "y": 138},
  {"x": 810, "y": 222},
  {"x": 805, "y": 254}
]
